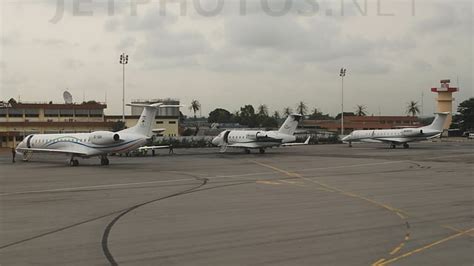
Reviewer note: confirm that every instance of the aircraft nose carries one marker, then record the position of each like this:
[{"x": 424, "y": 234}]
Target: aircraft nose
[{"x": 215, "y": 141}]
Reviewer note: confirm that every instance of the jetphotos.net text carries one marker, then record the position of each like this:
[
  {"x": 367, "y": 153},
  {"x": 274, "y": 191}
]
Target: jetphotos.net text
[{"x": 212, "y": 8}]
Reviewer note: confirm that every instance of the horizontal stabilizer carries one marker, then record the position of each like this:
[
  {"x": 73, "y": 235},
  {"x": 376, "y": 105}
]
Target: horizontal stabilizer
[
  {"x": 153, "y": 105},
  {"x": 296, "y": 143},
  {"x": 146, "y": 148},
  {"x": 158, "y": 130}
]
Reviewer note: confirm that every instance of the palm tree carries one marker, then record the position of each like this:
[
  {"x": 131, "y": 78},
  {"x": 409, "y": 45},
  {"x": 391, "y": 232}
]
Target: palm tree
[
  {"x": 262, "y": 110},
  {"x": 195, "y": 106},
  {"x": 361, "y": 110},
  {"x": 413, "y": 108},
  {"x": 302, "y": 108},
  {"x": 287, "y": 111},
  {"x": 276, "y": 115}
]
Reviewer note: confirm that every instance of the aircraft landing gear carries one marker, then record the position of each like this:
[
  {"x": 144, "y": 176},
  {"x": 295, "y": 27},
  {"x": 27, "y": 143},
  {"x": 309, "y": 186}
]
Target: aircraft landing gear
[
  {"x": 73, "y": 162},
  {"x": 247, "y": 151},
  {"x": 262, "y": 151},
  {"x": 104, "y": 160},
  {"x": 406, "y": 146},
  {"x": 27, "y": 156},
  {"x": 393, "y": 146},
  {"x": 350, "y": 144}
]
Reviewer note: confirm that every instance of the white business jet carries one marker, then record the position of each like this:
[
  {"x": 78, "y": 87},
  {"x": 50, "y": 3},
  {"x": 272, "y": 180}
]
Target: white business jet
[
  {"x": 95, "y": 144},
  {"x": 399, "y": 136},
  {"x": 253, "y": 139}
]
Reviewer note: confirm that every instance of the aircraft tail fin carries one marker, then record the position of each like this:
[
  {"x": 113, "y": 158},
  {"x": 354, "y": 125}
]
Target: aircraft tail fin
[
  {"x": 147, "y": 119},
  {"x": 438, "y": 122},
  {"x": 290, "y": 124}
]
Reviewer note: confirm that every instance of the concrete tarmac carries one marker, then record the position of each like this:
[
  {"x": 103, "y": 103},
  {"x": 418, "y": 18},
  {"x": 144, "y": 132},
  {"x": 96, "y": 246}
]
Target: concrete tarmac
[{"x": 308, "y": 205}]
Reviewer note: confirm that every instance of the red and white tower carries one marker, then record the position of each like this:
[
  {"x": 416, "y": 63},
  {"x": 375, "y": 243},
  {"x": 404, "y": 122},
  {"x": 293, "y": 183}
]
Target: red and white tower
[{"x": 445, "y": 100}]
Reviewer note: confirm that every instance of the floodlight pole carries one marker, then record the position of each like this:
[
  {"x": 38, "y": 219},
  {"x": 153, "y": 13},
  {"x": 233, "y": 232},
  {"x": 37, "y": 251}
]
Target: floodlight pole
[
  {"x": 342, "y": 74},
  {"x": 123, "y": 62}
]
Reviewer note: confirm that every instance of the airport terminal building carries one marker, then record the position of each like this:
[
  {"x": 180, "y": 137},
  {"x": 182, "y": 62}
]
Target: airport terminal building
[
  {"x": 18, "y": 120},
  {"x": 352, "y": 123}
]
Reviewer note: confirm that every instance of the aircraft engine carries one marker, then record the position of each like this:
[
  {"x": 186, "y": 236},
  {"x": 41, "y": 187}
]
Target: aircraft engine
[
  {"x": 412, "y": 132},
  {"x": 261, "y": 135},
  {"x": 104, "y": 137}
]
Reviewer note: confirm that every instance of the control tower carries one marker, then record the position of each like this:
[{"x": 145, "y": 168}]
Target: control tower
[{"x": 445, "y": 100}]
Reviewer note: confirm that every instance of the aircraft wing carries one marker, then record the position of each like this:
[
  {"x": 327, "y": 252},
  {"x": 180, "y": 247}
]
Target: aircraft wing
[
  {"x": 158, "y": 130},
  {"x": 52, "y": 151},
  {"x": 147, "y": 148},
  {"x": 392, "y": 140},
  {"x": 297, "y": 143},
  {"x": 248, "y": 145}
]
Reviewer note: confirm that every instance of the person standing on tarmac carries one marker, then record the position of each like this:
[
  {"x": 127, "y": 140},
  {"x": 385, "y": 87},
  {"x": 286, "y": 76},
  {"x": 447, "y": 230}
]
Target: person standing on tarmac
[
  {"x": 13, "y": 155},
  {"x": 171, "y": 149}
]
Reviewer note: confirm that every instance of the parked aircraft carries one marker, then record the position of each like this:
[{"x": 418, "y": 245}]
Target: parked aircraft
[
  {"x": 253, "y": 139},
  {"x": 399, "y": 136},
  {"x": 95, "y": 144}
]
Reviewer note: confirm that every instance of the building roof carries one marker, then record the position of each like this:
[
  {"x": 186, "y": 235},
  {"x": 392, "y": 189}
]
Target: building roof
[
  {"x": 86, "y": 105},
  {"x": 117, "y": 117},
  {"x": 58, "y": 124},
  {"x": 361, "y": 122}
]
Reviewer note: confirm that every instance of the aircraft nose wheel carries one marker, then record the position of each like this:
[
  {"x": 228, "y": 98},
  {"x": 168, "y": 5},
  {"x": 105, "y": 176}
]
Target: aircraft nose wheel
[
  {"x": 406, "y": 146},
  {"x": 73, "y": 162},
  {"x": 262, "y": 151}
]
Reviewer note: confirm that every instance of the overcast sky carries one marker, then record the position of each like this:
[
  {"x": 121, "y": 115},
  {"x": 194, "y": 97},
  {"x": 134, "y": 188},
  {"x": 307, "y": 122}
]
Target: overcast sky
[{"x": 235, "y": 52}]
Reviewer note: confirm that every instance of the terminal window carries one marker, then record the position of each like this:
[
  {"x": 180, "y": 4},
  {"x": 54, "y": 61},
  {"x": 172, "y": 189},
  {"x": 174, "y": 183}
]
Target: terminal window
[
  {"x": 51, "y": 112},
  {"x": 66, "y": 112},
  {"x": 31, "y": 112},
  {"x": 81, "y": 113},
  {"x": 15, "y": 113},
  {"x": 96, "y": 112}
]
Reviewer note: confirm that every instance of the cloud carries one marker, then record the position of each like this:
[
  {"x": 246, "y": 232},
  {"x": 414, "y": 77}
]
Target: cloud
[
  {"x": 448, "y": 17},
  {"x": 422, "y": 65},
  {"x": 72, "y": 64},
  {"x": 54, "y": 43},
  {"x": 260, "y": 53},
  {"x": 160, "y": 48},
  {"x": 126, "y": 43},
  {"x": 11, "y": 38}
]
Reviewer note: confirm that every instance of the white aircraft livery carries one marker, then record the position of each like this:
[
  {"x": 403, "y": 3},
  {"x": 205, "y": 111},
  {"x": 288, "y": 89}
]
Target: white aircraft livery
[
  {"x": 253, "y": 139},
  {"x": 94, "y": 144},
  {"x": 399, "y": 136}
]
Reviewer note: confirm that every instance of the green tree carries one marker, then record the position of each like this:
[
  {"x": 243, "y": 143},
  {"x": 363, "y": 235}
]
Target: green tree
[
  {"x": 12, "y": 101},
  {"x": 413, "y": 108},
  {"x": 361, "y": 110},
  {"x": 302, "y": 108},
  {"x": 464, "y": 120},
  {"x": 118, "y": 125},
  {"x": 248, "y": 116},
  {"x": 287, "y": 111},
  {"x": 262, "y": 110},
  {"x": 268, "y": 122},
  {"x": 346, "y": 114},
  {"x": 195, "y": 106},
  {"x": 317, "y": 115},
  {"x": 182, "y": 117},
  {"x": 220, "y": 115},
  {"x": 276, "y": 115}
]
